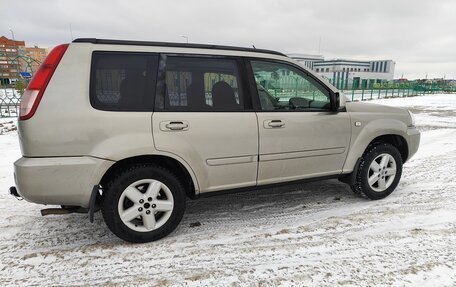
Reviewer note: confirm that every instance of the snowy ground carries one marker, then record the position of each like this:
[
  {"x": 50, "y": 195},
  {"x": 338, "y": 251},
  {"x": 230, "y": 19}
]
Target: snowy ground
[{"x": 316, "y": 234}]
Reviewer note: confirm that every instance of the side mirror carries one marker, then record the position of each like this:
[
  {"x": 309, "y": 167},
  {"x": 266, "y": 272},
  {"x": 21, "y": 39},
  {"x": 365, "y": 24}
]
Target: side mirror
[{"x": 335, "y": 98}]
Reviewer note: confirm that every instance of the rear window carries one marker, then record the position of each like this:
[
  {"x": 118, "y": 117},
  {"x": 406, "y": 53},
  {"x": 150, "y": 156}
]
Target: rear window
[{"x": 123, "y": 81}]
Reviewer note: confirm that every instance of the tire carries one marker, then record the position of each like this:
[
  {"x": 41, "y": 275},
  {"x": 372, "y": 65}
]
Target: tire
[
  {"x": 378, "y": 180},
  {"x": 143, "y": 203}
]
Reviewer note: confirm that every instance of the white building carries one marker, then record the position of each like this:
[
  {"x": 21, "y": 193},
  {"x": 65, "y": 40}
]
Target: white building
[
  {"x": 307, "y": 60},
  {"x": 347, "y": 73}
]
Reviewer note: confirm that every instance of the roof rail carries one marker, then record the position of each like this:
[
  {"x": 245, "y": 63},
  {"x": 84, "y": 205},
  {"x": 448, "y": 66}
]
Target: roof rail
[{"x": 170, "y": 44}]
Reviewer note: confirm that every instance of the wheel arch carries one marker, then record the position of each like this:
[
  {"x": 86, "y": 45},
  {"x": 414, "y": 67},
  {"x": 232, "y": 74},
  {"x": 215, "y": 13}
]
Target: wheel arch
[
  {"x": 395, "y": 140},
  {"x": 359, "y": 147},
  {"x": 181, "y": 170}
]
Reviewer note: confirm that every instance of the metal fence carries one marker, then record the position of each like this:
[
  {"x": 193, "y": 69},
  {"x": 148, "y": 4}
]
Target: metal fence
[
  {"x": 15, "y": 72},
  {"x": 369, "y": 91},
  {"x": 9, "y": 102}
]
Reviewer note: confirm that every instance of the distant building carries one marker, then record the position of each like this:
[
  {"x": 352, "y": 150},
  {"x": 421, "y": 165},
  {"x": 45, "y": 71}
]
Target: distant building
[
  {"x": 306, "y": 59},
  {"x": 347, "y": 73},
  {"x": 35, "y": 56},
  {"x": 18, "y": 61},
  {"x": 9, "y": 63}
]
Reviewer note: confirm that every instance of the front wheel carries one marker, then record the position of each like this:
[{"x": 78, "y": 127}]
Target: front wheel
[
  {"x": 144, "y": 203},
  {"x": 379, "y": 171}
]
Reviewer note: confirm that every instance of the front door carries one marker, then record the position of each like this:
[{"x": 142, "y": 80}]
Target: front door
[
  {"x": 202, "y": 118},
  {"x": 300, "y": 137}
]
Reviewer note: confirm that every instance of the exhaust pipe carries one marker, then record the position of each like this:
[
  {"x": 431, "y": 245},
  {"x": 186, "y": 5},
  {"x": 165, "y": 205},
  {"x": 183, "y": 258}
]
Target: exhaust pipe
[{"x": 64, "y": 210}]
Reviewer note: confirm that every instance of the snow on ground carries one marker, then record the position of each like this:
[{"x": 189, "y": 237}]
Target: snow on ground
[
  {"x": 7, "y": 125},
  {"x": 316, "y": 234},
  {"x": 435, "y": 111}
]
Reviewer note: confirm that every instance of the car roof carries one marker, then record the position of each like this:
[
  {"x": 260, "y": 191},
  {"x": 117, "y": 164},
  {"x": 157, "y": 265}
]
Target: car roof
[{"x": 171, "y": 44}]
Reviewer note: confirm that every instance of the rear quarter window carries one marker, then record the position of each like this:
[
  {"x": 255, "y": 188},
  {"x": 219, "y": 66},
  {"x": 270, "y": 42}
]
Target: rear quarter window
[{"x": 123, "y": 81}]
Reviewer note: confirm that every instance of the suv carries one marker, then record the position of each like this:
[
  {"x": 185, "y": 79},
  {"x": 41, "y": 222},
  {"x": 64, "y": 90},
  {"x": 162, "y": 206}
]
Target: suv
[{"x": 134, "y": 128}]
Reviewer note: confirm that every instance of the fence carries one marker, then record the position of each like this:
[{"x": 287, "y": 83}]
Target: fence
[
  {"x": 369, "y": 91},
  {"x": 9, "y": 102},
  {"x": 15, "y": 64}
]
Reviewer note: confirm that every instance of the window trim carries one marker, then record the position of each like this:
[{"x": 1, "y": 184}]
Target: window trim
[
  {"x": 256, "y": 96},
  {"x": 149, "y": 82},
  {"x": 161, "y": 83}
]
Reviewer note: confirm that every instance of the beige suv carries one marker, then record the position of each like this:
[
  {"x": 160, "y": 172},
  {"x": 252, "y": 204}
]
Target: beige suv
[{"x": 134, "y": 128}]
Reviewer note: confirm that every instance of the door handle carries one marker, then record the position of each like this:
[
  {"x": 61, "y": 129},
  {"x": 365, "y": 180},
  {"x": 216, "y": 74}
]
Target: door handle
[
  {"x": 176, "y": 126},
  {"x": 274, "y": 124}
]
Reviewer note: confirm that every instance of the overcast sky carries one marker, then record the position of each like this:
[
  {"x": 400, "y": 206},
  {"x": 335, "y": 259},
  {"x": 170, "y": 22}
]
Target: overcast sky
[{"x": 419, "y": 35}]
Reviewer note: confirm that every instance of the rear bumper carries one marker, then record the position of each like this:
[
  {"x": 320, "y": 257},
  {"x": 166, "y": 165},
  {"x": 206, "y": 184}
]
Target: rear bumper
[
  {"x": 59, "y": 180},
  {"x": 413, "y": 141}
]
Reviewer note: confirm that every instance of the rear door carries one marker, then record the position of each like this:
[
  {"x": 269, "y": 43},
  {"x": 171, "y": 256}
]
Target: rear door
[
  {"x": 204, "y": 116},
  {"x": 300, "y": 137}
]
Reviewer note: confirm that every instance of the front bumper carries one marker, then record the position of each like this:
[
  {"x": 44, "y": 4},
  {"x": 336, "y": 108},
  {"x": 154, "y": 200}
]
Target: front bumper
[
  {"x": 413, "y": 141},
  {"x": 59, "y": 180}
]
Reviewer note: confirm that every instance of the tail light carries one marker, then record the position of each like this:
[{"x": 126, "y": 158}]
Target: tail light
[{"x": 35, "y": 89}]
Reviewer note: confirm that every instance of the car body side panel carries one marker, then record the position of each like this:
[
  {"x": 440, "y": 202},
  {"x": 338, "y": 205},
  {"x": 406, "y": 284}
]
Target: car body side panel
[
  {"x": 370, "y": 121},
  {"x": 61, "y": 124},
  {"x": 221, "y": 147},
  {"x": 310, "y": 144}
]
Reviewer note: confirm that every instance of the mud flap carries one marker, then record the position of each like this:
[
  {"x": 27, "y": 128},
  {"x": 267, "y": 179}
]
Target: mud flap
[
  {"x": 92, "y": 203},
  {"x": 350, "y": 179}
]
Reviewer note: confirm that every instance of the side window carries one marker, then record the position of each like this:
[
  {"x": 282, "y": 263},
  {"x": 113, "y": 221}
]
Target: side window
[
  {"x": 123, "y": 82},
  {"x": 284, "y": 87},
  {"x": 202, "y": 84}
]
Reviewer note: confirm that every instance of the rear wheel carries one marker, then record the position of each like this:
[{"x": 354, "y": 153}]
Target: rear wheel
[
  {"x": 379, "y": 171},
  {"x": 143, "y": 203}
]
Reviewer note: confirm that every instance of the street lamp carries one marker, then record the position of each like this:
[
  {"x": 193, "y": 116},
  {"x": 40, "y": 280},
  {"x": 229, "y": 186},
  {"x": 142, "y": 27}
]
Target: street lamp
[
  {"x": 12, "y": 33},
  {"x": 183, "y": 36},
  {"x": 17, "y": 55}
]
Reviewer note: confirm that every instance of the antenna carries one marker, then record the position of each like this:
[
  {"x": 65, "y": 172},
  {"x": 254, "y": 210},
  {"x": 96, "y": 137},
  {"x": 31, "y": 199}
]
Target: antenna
[
  {"x": 319, "y": 46},
  {"x": 185, "y": 37},
  {"x": 71, "y": 32}
]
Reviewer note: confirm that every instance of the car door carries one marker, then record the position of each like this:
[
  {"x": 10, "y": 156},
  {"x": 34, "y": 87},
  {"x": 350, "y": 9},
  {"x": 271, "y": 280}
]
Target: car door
[
  {"x": 300, "y": 134},
  {"x": 203, "y": 117}
]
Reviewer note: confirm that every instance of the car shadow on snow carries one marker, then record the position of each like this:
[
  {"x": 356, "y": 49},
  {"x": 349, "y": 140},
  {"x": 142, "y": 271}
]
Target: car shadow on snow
[
  {"x": 212, "y": 214},
  {"x": 263, "y": 204}
]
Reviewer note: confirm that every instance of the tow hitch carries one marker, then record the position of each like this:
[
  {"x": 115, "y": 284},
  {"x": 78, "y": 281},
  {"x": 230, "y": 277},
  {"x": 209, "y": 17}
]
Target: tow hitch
[{"x": 13, "y": 192}]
